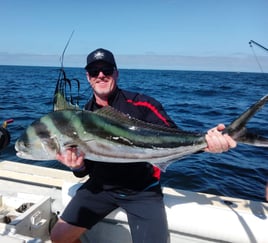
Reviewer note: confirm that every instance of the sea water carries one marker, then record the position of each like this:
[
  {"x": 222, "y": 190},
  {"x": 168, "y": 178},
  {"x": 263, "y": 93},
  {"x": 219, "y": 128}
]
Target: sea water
[{"x": 195, "y": 100}]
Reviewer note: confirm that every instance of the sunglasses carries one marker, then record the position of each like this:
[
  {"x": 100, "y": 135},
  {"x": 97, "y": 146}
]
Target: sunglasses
[{"x": 107, "y": 71}]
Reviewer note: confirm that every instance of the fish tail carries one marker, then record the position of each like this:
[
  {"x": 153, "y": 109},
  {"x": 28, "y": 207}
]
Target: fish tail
[{"x": 238, "y": 131}]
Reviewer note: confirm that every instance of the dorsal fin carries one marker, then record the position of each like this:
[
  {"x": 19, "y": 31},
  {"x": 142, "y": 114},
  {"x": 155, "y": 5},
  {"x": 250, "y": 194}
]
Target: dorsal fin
[{"x": 128, "y": 121}]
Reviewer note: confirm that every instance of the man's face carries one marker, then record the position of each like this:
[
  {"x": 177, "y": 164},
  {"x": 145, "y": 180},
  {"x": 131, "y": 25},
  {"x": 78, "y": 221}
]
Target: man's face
[{"x": 102, "y": 78}]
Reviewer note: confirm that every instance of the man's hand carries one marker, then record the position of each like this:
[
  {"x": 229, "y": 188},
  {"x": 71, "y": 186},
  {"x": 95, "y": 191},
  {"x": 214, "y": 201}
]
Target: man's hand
[
  {"x": 218, "y": 142},
  {"x": 72, "y": 158}
]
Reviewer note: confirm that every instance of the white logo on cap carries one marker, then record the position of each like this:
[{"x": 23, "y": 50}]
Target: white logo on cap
[{"x": 99, "y": 55}]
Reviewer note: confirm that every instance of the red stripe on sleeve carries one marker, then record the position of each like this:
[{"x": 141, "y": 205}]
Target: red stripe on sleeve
[{"x": 151, "y": 107}]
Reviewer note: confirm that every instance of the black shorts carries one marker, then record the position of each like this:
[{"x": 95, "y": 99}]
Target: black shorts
[{"x": 145, "y": 211}]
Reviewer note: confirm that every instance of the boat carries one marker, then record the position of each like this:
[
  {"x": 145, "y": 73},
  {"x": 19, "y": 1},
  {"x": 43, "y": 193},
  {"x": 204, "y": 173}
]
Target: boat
[{"x": 32, "y": 198}]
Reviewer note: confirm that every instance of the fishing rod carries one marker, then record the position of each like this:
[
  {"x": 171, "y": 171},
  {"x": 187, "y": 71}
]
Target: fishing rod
[
  {"x": 257, "y": 44},
  {"x": 67, "y": 44},
  {"x": 62, "y": 83}
]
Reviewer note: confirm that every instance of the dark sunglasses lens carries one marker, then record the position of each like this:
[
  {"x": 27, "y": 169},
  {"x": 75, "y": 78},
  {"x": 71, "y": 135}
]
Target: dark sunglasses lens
[
  {"x": 93, "y": 73},
  {"x": 106, "y": 71}
]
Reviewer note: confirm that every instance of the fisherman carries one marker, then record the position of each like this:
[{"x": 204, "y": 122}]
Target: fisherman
[{"x": 134, "y": 187}]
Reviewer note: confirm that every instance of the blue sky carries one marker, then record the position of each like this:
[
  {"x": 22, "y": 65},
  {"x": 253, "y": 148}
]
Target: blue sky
[{"x": 156, "y": 34}]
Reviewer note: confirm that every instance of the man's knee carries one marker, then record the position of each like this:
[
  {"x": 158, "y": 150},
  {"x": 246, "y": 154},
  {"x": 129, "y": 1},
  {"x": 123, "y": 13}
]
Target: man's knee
[
  {"x": 64, "y": 232},
  {"x": 57, "y": 234}
]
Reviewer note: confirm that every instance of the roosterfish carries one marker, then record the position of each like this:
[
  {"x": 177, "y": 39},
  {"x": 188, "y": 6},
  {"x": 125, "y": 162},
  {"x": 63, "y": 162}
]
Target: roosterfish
[{"x": 107, "y": 135}]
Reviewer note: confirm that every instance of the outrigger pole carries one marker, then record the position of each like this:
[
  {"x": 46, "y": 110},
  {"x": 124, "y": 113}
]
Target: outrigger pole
[{"x": 257, "y": 44}]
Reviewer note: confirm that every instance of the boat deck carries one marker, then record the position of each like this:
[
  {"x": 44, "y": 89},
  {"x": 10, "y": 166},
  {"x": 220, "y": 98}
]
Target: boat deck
[{"x": 192, "y": 217}]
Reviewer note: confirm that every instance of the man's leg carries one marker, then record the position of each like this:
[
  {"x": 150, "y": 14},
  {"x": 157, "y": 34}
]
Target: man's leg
[
  {"x": 147, "y": 218},
  {"x": 64, "y": 232},
  {"x": 83, "y": 211}
]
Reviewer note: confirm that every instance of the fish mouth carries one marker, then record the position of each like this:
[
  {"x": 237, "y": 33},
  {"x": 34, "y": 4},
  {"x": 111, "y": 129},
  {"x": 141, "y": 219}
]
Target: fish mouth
[
  {"x": 19, "y": 146},
  {"x": 22, "y": 155},
  {"x": 21, "y": 150}
]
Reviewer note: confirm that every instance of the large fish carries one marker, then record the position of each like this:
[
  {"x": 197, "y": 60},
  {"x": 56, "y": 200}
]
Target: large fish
[{"x": 107, "y": 135}]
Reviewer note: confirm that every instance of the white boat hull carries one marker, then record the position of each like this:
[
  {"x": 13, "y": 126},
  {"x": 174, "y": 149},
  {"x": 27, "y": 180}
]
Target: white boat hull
[{"x": 192, "y": 217}]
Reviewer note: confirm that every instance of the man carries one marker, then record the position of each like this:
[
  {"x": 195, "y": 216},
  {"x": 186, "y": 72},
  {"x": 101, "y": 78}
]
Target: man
[{"x": 133, "y": 186}]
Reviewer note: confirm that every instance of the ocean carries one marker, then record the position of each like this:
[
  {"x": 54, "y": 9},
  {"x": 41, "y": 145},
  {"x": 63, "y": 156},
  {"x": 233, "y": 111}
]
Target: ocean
[{"x": 195, "y": 100}]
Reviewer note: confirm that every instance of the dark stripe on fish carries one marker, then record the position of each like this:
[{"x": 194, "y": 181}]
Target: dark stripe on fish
[
  {"x": 41, "y": 129},
  {"x": 63, "y": 122}
]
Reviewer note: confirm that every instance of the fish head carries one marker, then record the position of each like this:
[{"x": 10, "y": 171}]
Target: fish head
[{"x": 37, "y": 143}]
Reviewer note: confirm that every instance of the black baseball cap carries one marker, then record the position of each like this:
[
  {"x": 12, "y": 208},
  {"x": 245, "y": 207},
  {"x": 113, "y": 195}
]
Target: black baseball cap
[{"x": 100, "y": 54}]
